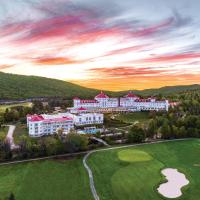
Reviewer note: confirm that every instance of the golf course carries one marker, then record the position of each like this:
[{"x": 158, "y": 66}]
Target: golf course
[
  {"x": 132, "y": 173},
  {"x": 135, "y": 173}
]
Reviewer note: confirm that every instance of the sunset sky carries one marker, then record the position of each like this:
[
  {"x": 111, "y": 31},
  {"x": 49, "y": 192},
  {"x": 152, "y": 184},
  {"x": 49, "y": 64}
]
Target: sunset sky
[{"x": 104, "y": 44}]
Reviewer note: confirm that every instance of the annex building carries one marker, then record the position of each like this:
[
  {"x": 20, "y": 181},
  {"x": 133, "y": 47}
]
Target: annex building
[{"x": 39, "y": 125}]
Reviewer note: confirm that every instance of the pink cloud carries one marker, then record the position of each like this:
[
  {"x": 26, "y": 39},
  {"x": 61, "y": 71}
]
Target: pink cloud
[
  {"x": 117, "y": 72},
  {"x": 172, "y": 58}
]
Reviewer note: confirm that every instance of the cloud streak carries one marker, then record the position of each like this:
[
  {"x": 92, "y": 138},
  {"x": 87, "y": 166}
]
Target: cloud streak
[{"x": 113, "y": 39}]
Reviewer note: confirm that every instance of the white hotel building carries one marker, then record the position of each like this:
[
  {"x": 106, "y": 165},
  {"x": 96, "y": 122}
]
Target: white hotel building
[
  {"x": 130, "y": 102},
  {"x": 44, "y": 124}
]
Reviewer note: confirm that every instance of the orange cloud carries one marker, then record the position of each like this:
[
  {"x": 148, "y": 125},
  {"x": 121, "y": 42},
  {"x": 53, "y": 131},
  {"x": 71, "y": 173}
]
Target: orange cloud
[
  {"x": 117, "y": 72},
  {"x": 139, "y": 82},
  {"x": 5, "y": 66},
  {"x": 55, "y": 61}
]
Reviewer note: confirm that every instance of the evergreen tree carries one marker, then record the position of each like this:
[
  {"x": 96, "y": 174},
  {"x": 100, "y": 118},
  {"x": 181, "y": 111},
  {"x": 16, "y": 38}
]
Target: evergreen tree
[
  {"x": 165, "y": 130},
  {"x": 136, "y": 134},
  {"x": 152, "y": 128}
]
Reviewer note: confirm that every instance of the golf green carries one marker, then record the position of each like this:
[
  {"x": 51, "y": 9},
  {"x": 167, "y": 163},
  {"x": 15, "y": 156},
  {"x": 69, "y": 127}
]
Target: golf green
[{"x": 134, "y": 173}]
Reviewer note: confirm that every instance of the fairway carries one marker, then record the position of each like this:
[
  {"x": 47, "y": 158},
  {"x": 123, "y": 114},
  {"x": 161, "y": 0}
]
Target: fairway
[
  {"x": 4, "y": 107},
  {"x": 133, "y": 117},
  {"x": 135, "y": 173},
  {"x": 45, "y": 180}
]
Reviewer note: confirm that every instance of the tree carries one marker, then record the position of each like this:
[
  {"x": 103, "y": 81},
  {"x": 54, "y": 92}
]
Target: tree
[
  {"x": 175, "y": 131},
  {"x": 165, "y": 130},
  {"x": 152, "y": 128},
  {"x": 11, "y": 197},
  {"x": 37, "y": 107},
  {"x": 60, "y": 133},
  {"x": 75, "y": 142},
  {"x": 190, "y": 121},
  {"x": 182, "y": 132},
  {"x": 51, "y": 144},
  {"x": 136, "y": 134},
  {"x": 25, "y": 146},
  {"x": 5, "y": 150}
]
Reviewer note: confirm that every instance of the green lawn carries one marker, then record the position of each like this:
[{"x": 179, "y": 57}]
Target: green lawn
[
  {"x": 4, "y": 107},
  {"x": 21, "y": 129},
  {"x": 133, "y": 117},
  {"x": 135, "y": 173},
  {"x": 45, "y": 180},
  {"x": 3, "y": 132}
]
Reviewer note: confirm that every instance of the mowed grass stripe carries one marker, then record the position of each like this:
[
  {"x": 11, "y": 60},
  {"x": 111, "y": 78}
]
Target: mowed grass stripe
[
  {"x": 46, "y": 180},
  {"x": 118, "y": 179}
]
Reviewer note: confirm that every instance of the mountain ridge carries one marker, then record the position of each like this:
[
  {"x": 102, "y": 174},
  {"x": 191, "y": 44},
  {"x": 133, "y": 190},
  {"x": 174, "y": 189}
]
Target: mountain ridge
[{"x": 13, "y": 86}]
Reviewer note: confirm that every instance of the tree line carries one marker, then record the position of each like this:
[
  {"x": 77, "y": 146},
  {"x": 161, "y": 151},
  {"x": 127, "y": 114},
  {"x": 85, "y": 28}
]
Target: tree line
[
  {"x": 181, "y": 121},
  {"x": 44, "y": 146}
]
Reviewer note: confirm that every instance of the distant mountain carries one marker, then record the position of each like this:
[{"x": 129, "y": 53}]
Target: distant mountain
[
  {"x": 14, "y": 86},
  {"x": 167, "y": 90}
]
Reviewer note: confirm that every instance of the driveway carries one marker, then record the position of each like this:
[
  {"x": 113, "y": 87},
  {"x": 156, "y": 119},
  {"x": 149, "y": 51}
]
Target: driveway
[{"x": 10, "y": 138}]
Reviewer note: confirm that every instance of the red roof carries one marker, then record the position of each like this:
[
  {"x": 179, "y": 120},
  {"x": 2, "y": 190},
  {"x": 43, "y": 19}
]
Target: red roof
[
  {"x": 36, "y": 118},
  {"x": 131, "y": 95},
  {"x": 76, "y": 98},
  {"x": 142, "y": 100},
  {"x": 81, "y": 108},
  {"x": 102, "y": 95},
  {"x": 60, "y": 119},
  {"x": 88, "y": 101},
  {"x": 152, "y": 97}
]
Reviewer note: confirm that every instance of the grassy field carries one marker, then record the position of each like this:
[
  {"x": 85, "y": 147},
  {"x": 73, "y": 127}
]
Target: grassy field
[
  {"x": 21, "y": 129},
  {"x": 135, "y": 173},
  {"x": 4, "y": 107},
  {"x": 45, "y": 180},
  {"x": 133, "y": 117},
  {"x": 3, "y": 132}
]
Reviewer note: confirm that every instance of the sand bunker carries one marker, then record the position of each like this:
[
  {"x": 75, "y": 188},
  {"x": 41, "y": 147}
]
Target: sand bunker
[{"x": 176, "y": 180}]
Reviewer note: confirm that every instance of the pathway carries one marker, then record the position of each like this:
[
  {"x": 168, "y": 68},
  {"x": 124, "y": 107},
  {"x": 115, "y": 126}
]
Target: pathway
[
  {"x": 10, "y": 138},
  {"x": 100, "y": 141}
]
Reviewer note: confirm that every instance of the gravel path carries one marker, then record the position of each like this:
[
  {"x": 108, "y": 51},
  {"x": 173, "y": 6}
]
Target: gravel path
[
  {"x": 10, "y": 138},
  {"x": 100, "y": 140}
]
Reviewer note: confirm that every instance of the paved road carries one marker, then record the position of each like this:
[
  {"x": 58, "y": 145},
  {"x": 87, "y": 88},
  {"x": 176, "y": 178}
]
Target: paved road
[
  {"x": 90, "y": 174},
  {"x": 10, "y": 138}
]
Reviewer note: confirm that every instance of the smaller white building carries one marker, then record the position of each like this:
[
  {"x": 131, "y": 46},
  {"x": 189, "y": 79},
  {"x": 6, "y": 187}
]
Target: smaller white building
[{"x": 39, "y": 125}]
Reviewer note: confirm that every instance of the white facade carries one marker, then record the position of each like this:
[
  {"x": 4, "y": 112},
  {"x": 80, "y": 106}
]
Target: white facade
[
  {"x": 40, "y": 125},
  {"x": 130, "y": 102},
  {"x": 88, "y": 118},
  {"x": 100, "y": 101}
]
